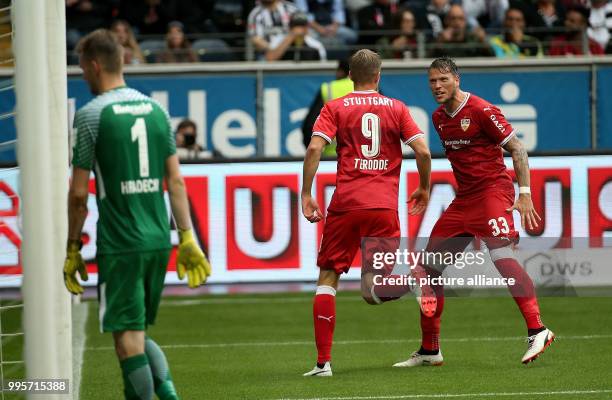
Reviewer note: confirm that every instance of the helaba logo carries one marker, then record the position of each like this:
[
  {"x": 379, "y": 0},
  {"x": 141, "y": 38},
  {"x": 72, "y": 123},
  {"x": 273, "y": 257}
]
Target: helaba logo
[{"x": 522, "y": 117}]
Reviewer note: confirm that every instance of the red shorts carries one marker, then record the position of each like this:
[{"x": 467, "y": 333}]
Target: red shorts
[
  {"x": 483, "y": 215},
  {"x": 343, "y": 231}
]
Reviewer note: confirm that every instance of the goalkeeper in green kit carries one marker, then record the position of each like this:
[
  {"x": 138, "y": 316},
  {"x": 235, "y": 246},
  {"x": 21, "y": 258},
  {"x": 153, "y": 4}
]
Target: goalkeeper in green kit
[{"x": 126, "y": 139}]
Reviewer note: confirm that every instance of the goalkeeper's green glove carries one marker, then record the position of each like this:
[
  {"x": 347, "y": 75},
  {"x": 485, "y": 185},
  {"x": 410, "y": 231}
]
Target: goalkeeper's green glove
[
  {"x": 74, "y": 262},
  {"x": 191, "y": 260}
]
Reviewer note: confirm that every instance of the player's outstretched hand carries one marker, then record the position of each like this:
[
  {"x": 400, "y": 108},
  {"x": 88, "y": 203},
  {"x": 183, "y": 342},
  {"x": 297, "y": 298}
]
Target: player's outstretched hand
[
  {"x": 311, "y": 209},
  {"x": 74, "y": 262},
  {"x": 191, "y": 260},
  {"x": 524, "y": 205},
  {"x": 417, "y": 202}
]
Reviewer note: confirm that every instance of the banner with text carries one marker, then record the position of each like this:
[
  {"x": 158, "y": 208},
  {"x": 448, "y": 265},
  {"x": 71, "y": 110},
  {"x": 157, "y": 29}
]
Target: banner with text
[{"x": 247, "y": 216}]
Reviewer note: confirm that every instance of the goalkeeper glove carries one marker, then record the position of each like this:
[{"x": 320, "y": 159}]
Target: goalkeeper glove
[
  {"x": 191, "y": 260},
  {"x": 74, "y": 262}
]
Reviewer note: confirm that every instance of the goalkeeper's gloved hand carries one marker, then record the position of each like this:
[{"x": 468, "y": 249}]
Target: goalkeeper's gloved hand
[
  {"x": 74, "y": 262},
  {"x": 191, "y": 260}
]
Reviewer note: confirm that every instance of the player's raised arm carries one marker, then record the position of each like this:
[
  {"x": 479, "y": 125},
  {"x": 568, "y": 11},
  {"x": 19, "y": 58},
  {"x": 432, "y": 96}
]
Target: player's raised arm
[
  {"x": 523, "y": 204},
  {"x": 310, "y": 208},
  {"x": 191, "y": 259},
  {"x": 419, "y": 199}
]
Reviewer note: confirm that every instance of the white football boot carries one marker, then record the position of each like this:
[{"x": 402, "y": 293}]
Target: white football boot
[
  {"x": 325, "y": 371},
  {"x": 536, "y": 344},
  {"x": 417, "y": 359}
]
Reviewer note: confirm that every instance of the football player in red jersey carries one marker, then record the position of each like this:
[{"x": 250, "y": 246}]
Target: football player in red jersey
[
  {"x": 473, "y": 133},
  {"x": 369, "y": 129}
]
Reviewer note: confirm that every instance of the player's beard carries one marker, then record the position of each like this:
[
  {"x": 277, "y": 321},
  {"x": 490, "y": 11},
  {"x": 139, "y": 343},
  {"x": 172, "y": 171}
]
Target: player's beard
[{"x": 451, "y": 96}]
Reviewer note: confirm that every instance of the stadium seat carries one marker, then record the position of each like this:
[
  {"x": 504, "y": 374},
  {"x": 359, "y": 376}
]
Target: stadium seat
[
  {"x": 213, "y": 50},
  {"x": 150, "y": 49}
]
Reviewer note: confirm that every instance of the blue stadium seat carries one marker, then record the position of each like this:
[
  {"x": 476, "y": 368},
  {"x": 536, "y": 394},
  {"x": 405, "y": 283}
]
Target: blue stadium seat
[
  {"x": 151, "y": 48},
  {"x": 213, "y": 50}
]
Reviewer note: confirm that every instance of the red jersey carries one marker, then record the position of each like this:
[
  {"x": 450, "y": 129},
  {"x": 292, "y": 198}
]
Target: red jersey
[
  {"x": 472, "y": 138},
  {"x": 368, "y": 128}
]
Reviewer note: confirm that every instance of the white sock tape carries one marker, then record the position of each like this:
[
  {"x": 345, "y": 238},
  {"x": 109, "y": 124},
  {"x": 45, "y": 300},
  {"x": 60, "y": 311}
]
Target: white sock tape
[{"x": 325, "y": 290}]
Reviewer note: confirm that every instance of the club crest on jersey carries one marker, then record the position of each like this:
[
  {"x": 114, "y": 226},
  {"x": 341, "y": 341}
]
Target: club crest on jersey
[{"x": 465, "y": 124}]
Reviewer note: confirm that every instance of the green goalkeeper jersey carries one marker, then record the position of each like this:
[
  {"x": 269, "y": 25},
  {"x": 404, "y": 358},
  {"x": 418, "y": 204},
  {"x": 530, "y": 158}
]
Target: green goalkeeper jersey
[{"x": 125, "y": 137}]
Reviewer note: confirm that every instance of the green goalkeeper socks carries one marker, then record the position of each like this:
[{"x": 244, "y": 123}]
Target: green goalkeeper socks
[
  {"x": 164, "y": 387},
  {"x": 137, "y": 378}
]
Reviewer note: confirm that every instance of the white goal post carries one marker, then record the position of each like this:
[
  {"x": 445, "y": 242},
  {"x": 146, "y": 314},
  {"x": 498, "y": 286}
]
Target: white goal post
[{"x": 39, "y": 47}]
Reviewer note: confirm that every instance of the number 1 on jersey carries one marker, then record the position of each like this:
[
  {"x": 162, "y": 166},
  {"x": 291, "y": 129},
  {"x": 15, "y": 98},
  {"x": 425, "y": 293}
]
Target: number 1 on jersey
[
  {"x": 370, "y": 127},
  {"x": 139, "y": 134}
]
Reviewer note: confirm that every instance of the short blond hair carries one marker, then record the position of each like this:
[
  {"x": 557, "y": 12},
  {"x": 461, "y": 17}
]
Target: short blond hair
[
  {"x": 102, "y": 45},
  {"x": 364, "y": 66}
]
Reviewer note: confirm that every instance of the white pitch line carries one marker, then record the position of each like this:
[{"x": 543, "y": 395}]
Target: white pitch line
[
  {"x": 352, "y": 342},
  {"x": 455, "y": 395},
  {"x": 80, "y": 313}
]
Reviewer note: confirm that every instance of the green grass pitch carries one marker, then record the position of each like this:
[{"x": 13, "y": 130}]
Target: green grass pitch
[{"x": 258, "y": 346}]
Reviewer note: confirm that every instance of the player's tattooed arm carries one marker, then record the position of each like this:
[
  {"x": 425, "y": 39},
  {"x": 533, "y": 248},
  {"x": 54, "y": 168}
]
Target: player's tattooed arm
[
  {"x": 524, "y": 204},
  {"x": 520, "y": 160}
]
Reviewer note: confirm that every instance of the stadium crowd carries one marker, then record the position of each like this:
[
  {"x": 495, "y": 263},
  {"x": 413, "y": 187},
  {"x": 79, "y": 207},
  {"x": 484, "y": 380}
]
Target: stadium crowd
[{"x": 232, "y": 30}]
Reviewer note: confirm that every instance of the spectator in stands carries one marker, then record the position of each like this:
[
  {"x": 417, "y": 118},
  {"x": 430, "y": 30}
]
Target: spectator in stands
[
  {"x": 513, "y": 43},
  {"x": 404, "y": 45},
  {"x": 431, "y": 16},
  {"x": 375, "y": 19},
  {"x": 328, "y": 20},
  {"x": 297, "y": 45},
  {"x": 485, "y": 13},
  {"x": 339, "y": 87},
  {"x": 84, "y": 16},
  {"x": 576, "y": 40},
  {"x": 601, "y": 22},
  {"x": 186, "y": 137},
  {"x": 545, "y": 17},
  {"x": 178, "y": 49},
  {"x": 148, "y": 17},
  {"x": 270, "y": 19},
  {"x": 457, "y": 41},
  {"x": 131, "y": 50}
]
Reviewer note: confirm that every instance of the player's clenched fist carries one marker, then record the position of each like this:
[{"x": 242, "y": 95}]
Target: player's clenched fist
[
  {"x": 191, "y": 260},
  {"x": 74, "y": 262},
  {"x": 310, "y": 209}
]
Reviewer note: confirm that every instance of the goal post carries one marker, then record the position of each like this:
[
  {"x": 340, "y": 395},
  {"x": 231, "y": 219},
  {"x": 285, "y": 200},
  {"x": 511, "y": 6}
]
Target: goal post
[{"x": 39, "y": 46}]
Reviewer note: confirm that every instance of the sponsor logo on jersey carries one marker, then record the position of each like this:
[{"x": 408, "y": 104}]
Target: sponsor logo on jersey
[
  {"x": 497, "y": 123},
  {"x": 465, "y": 124},
  {"x": 134, "y": 109},
  {"x": 457, "y": 144}
]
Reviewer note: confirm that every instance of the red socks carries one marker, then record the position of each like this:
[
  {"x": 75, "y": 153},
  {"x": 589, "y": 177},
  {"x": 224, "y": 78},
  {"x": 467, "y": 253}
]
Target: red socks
[
  {"x": 324, "y": 314},
  {"x": 430, "y": 327},
  {"x": 522, "y": 291}
]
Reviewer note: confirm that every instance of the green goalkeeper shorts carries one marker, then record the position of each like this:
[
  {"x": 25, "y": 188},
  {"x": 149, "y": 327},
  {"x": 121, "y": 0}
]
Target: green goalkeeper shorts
[{"x": 129, "y": 289}]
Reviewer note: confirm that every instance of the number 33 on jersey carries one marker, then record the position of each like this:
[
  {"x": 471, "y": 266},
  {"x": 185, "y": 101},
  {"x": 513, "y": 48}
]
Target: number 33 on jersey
[{"x": 369, "y": 129}]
